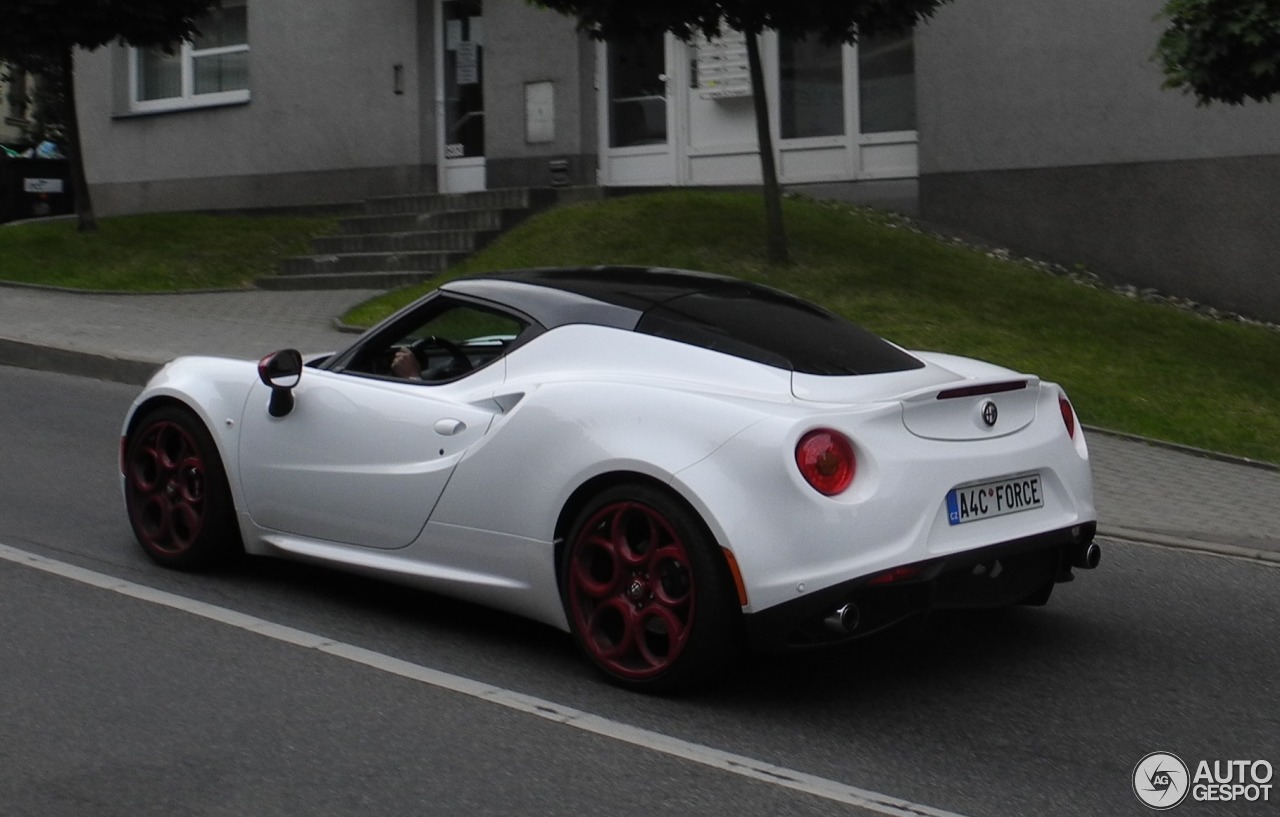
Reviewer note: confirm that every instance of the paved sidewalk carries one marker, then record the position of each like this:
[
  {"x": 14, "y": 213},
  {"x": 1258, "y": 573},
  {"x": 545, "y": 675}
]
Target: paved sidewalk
[
  {"x": 1156, "y": 494},
  {"x": 110, "y": 335},
  {"x": 1144, "y": 492}
]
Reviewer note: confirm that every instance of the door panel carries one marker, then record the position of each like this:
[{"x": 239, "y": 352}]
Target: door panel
[{"x": 359, "y": 460}]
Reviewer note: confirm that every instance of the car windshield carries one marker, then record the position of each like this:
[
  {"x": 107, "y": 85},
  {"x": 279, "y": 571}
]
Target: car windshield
[{"x": 775, "y": 329}]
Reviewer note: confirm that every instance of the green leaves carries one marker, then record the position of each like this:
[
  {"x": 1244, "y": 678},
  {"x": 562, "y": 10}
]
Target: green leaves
[
  {"x": 831, "y": 20},
  {"x": 50, "y": 26},
  {"x": 42, "y": 35},
  {"x": 1222, "y": 50}
]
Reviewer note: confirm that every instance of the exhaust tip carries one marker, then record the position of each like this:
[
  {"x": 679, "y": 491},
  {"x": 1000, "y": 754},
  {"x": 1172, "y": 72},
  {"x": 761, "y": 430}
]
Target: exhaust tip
[
  {"x": 845, "y": 619},
  {"x": 1087, "y": 557}
]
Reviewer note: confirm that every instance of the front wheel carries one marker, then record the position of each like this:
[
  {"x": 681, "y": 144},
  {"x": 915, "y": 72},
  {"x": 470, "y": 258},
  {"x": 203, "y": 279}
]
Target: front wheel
[
  {"x": 647, "y": 593},
  {"x": 176, "y": 491}
]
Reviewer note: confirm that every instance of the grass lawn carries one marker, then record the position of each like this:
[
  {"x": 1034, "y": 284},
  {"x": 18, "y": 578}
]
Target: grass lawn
[
  {"x": 1131, "y": 366},
  {"x": 155, "y": 253}
]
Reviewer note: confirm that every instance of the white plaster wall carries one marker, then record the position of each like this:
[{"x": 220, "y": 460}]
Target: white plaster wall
[
  {"x": 1010, "y": 84},
  {"x": 322, "y": 98},
  {"x": 524, "y": 45}
]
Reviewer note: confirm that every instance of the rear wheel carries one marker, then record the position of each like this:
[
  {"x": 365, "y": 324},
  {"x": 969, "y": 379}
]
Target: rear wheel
[
  {"x": 176, "y": 491},
  {"x": 646, "y": 591}
]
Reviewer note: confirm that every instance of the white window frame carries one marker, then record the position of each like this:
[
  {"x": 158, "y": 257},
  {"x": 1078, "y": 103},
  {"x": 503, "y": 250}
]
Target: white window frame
[{"x": 188, "y": 99}]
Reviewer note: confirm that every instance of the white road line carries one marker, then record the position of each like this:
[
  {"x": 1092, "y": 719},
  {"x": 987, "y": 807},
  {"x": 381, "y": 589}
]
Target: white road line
[{"x": 740, "y": 765}]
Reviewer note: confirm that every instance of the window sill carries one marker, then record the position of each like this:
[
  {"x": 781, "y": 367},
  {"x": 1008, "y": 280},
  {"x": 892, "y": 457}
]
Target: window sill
[
  {"x": 895, "y": 137},
  {"x": 164, "y": 106}
]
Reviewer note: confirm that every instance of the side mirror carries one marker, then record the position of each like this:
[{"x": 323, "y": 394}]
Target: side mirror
[{"x": 281, "y": 371}]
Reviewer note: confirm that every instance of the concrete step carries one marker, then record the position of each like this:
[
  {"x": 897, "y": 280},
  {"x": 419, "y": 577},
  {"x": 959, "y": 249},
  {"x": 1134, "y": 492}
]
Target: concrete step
[
  {"x": 345, "y": 280},
  {"x": 404, "y": 239},
  {"x": 517, "y": 198},
  {"x": 451, "y": 240},
  {"x": 428, "y": 260},
  {"x": 439, "y": 220}
]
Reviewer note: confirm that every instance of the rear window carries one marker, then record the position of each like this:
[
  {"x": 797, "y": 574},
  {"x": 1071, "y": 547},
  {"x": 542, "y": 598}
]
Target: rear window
[{"x": 775, "y": 329}]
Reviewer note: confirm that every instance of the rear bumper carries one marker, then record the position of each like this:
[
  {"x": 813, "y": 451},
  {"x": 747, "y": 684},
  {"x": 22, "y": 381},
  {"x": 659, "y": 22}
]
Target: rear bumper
[{"x": 997, "y": 575}]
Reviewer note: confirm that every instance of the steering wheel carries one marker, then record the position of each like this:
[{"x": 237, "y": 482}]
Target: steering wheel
[{"x": 459, "y": 364}]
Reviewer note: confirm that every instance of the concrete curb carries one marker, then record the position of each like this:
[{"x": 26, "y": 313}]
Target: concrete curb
[
  {"x": 24, "y": 355},
  {"x": 347, "y": 328},
  {"x": 120, "y": 293},
  {"x": 1271, "y": 558},
  {"x": 1185, "y": 449}
]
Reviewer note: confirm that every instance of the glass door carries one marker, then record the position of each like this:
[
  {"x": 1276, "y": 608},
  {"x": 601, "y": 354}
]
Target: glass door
[
  {"x": 460, "y": 108},
  {"x": 636, "y": 112}
]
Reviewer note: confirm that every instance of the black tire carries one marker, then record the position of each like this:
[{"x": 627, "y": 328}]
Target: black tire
[
  {"x": 176, "y": 492},
  {"x": 648, "y": 595}
]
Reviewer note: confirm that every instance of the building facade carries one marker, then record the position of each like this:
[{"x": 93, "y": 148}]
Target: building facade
[
  {"x": 288, "y": 103},
  {"x": 1044, "y": 126},
  {"x": 1030, "y": 123}
]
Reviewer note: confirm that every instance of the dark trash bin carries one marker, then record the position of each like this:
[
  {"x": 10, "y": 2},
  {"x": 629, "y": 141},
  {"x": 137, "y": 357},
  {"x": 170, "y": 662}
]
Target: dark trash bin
[{"x": 34, "y": 188}]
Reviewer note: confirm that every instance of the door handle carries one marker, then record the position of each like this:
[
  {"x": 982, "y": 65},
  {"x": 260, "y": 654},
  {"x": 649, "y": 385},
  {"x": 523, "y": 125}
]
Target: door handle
[{"x": 449, "y": 426}]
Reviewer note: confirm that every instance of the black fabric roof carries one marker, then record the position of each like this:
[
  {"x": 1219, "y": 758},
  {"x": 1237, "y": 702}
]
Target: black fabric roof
[{"x": 711, "y": 311}]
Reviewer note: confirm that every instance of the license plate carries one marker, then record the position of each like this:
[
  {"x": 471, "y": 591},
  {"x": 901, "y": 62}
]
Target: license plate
[
  {"x": 996, "y": 498},
  {"x": 42, "y": 185}
]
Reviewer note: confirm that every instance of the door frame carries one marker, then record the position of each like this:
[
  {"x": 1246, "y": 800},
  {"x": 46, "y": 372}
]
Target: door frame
[
  {"x": 854, "y": 156},
  {"x": 452, "y": 175},
  {"x": 620, "y": 167}
]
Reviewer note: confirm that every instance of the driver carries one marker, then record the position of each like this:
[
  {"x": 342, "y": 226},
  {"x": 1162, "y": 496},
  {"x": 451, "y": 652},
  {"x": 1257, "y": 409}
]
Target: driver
[{"x": 405, "y": 364}]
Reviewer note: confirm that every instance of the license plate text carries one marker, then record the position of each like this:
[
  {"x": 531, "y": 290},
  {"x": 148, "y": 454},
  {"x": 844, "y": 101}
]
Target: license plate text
[{"x": 997, "y": 498}]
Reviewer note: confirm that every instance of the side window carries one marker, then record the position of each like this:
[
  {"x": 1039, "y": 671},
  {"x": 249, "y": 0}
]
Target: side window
[
  {"x": 810, "y": 88},
  {"x": 887, "y": 83},
  {"x": 212, "y": 69},
  {"x": 446, "y": 341},
  {"x": 637, "y": 92}
]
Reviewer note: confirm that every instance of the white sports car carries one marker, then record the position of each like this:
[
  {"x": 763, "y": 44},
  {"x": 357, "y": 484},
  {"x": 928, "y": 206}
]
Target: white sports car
[{"x": 663, "y": 463}]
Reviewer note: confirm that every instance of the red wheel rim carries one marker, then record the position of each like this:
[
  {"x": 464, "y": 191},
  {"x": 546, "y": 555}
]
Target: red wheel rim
[
  {"x": 631, "y": 590},
  {"x": 167, "y": 488}
]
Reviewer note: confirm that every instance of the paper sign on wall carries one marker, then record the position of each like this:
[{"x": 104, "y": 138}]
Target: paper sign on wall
[
  {"x": 539, "y": 112},
  {"x": 468, "y": 62}
]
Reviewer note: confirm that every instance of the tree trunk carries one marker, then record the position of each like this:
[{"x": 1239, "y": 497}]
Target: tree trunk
[
  {"x": 79, "y": 181},
  {"x": 776, "y": 231}
]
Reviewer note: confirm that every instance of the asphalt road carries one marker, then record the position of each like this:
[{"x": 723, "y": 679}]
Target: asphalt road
[{"x": 194, "y": 700}]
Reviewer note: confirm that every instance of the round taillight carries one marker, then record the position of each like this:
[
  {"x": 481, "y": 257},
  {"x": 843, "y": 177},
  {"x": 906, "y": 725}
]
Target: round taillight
[
  {"x": 1068, "y": 415},
  {"x": 826, "y": 460}
]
